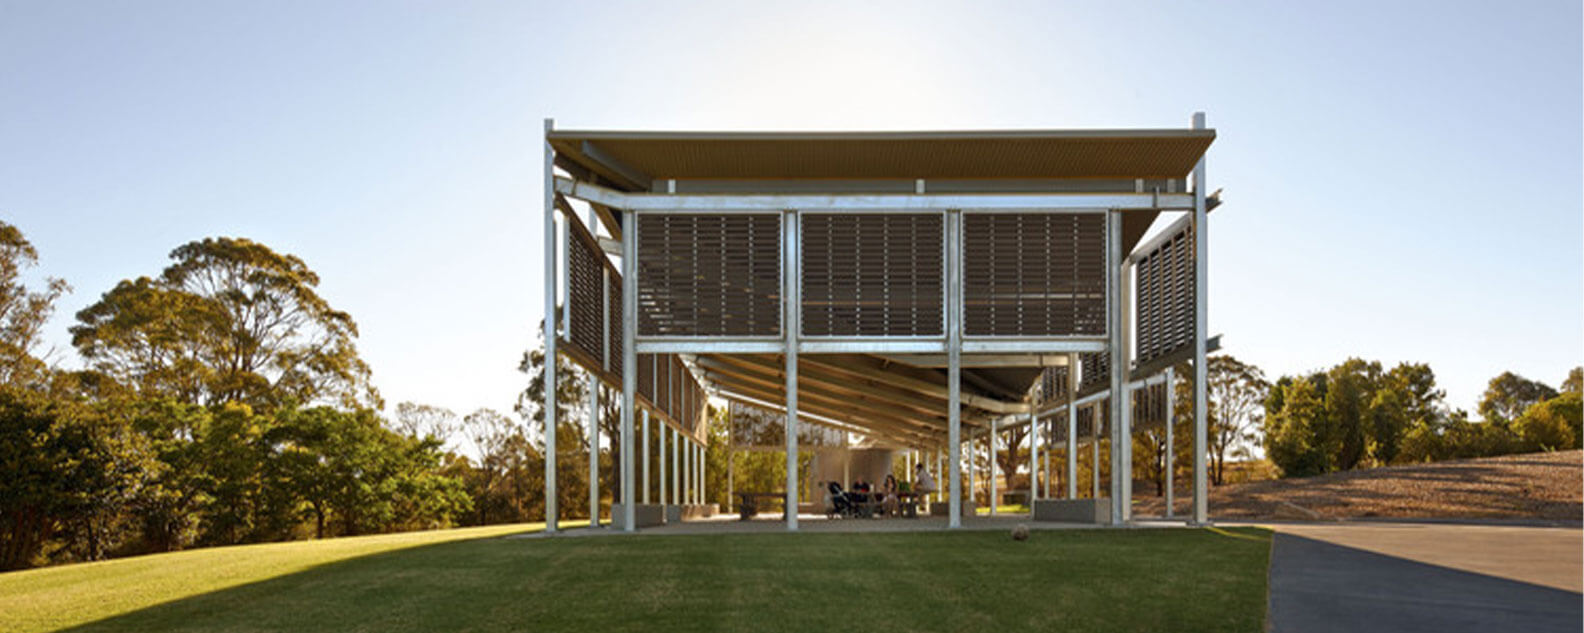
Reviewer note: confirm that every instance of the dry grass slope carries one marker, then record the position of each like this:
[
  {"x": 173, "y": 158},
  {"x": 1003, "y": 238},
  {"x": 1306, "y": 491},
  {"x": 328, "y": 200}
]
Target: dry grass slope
[{"x": 1545, "y": 486}]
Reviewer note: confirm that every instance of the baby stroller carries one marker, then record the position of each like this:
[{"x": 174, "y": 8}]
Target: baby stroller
[{"x": 840, "y": 503}]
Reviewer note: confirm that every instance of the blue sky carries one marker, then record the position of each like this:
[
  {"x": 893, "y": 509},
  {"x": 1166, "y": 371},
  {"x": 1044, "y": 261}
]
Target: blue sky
[{"x": 1402, "y": 179}]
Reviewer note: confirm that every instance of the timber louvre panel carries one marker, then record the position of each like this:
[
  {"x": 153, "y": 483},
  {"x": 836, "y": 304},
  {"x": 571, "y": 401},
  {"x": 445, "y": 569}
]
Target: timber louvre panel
[
  {"x": 870, "y": 274},
  {"x": 586, "y": 268},
  {"x": 709, "y": 274},
  {"x": 1164, "y": 296},
  {"x": 1096, "y": 373},
  {"x": 1034, "y": 274},
  {"x": 1053, "y": 384}
]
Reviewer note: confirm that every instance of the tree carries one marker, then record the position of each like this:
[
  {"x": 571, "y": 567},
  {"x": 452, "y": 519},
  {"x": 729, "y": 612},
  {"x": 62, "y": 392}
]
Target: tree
[
  {"x": 1508, "y": 395},
  {"x": 68, "y": 470},
  {"x": 423, "y": 420},
  {"x": 1011, "y": 455},
  {"x": 571, "y": 446},
  {"x": 1574, "y": 382},
  {"x": 1350, "y": 388},
  {"x": 23, "y": 311},
  {"x": 1292, "y": 439},
  {"x": 229, "y": 320},
  {"x": 1416, "y": 390},
  {"x": 1236, "y": 393},
  {"x": 491, "y": 435},
  {"x": 1388, "y": 423},
  {"x": 346, "y": 467},
  {"x": 1552, "y": 425}
]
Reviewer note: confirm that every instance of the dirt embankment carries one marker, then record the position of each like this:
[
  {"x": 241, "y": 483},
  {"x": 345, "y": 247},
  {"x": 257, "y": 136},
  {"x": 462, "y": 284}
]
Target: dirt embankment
[{"x": 1544, "y": 486}]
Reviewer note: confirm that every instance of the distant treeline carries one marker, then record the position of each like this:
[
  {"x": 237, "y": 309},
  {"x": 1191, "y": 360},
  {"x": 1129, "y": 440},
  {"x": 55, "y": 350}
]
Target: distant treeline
[
  {"x": 1357, "y": 415},
  {"x": 223, "y": 402}
]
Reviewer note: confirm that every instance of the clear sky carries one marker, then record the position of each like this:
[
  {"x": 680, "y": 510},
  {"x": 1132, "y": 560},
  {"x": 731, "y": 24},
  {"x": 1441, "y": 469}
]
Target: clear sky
[{"x": 1402, "y": 179}]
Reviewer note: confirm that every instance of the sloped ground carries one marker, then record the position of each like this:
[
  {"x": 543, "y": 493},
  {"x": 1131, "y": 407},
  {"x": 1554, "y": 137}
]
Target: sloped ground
[{"x": 1543, "y": 486}]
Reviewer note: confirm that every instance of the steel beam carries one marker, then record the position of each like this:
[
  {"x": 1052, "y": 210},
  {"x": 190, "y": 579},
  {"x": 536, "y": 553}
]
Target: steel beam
[
  {"x": 900, "y": 409},
  {"x": 898, "y": 202},
  {"x": 869, "y": 368},
  {"x": 835, "y": 409}
]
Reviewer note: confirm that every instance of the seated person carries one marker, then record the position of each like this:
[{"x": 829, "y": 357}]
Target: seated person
[
  {"x": 836, "y": 501},
  {"x": 890, "y": 500}
]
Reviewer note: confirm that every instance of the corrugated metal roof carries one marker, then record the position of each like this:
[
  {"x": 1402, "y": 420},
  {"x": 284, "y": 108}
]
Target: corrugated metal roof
[{"x": 981, "y": 154}]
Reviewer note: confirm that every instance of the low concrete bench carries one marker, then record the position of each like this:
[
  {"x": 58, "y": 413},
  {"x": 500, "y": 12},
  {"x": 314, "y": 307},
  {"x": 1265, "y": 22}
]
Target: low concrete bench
[
  {"x": 1096, "y": 511},
  {"x": 644, "y": 515}
]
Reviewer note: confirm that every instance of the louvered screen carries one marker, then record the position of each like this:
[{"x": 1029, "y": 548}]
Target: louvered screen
[
  {"x": 1053, "y": 384},
  {"x": 1164, "y": 296},
  {"x": 1149, "y": 406},
  {"x": 709, "y": 274},
  {"x": 1034, "y": 274},
  {"x": 646, "y": 377},
  {"x": 872, "y": 274},
  {"x": 1096, "y": 371},
  {"x": 614, "y": 362},
  {"x": 586, "y": 266},
  {"x": 1086, "y": 420}
]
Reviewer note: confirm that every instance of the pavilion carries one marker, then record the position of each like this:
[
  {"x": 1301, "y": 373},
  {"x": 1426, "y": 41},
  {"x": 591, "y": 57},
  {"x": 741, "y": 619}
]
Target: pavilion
[{"x": 918, "y": 289}]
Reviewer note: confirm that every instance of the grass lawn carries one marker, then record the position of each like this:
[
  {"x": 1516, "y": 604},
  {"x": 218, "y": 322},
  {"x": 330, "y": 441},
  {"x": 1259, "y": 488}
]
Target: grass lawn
[{"x": 463, "y": 580}]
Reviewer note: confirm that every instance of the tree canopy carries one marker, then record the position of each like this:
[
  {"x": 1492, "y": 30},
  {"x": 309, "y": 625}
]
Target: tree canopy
[{"x": 229, "y": 320}]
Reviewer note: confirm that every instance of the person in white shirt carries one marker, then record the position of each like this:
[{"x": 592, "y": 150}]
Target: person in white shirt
[{"x": 924, "y": 484}]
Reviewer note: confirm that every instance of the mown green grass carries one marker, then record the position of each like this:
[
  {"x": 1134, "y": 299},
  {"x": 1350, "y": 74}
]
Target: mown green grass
[{"x": 1081, "y": 580}]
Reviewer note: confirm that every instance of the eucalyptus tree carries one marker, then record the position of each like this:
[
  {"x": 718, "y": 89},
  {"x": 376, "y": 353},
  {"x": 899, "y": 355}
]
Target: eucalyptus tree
[
  {"x": 228, "y": 320},
  {"x": 23, "y": 310}
]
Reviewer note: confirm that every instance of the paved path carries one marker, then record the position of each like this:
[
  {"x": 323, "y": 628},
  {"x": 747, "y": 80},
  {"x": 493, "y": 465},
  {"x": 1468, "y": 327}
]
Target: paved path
[{"x": 1418, "y": 577}]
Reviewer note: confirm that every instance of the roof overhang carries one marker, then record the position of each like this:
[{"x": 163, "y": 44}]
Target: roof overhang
[{"x": 633, "y": 161}]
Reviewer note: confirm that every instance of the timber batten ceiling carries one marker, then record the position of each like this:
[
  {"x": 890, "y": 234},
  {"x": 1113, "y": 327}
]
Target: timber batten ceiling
[{"x": 635, "y": 158}]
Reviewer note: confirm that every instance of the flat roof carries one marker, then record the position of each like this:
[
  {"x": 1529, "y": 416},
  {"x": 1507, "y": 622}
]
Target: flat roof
[{"x": 634, "y": 159}]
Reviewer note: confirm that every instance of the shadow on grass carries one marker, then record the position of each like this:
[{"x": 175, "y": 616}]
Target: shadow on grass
[
  {"x": 959, "y": 581},
  {"x": 1321, "y": 586}
]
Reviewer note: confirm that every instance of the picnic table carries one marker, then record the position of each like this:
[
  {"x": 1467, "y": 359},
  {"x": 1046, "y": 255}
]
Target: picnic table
[{"x": 748, "y": 502}]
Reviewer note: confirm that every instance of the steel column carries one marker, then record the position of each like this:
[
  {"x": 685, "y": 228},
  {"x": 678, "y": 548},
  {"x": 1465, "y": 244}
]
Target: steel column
[
  {"x": 1094, "y": 462},
  {"x": 1171, "y": 447},
  {"x": 593, "y": 453},
  {"x": 1072, "y": 426},
  {"x": 552, "y": 513},
  {"x": 645, "y": 456},
  {"x": 661, "y": 438},
  {"x": 629, "y": 368},
  {"x": 1125, "y": 430},
  {"x": 676, "y": 467},
  {"x": 1118, "y": 362},
  {"x": 790, "y": 324},
  {"x": 1033, "y": 456},
  {"x": 953, "y": 315},
  {"x": 1201, "y": 309},
  {"x": 994, "y": 424}
]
